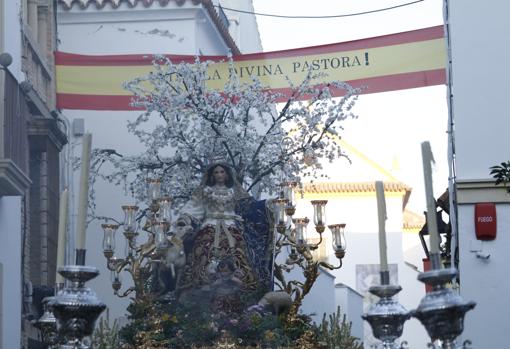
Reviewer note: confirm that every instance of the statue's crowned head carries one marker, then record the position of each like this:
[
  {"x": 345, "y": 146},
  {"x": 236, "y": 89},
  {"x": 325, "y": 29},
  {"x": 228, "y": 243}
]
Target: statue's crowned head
[{"x": 219, "y": 173}]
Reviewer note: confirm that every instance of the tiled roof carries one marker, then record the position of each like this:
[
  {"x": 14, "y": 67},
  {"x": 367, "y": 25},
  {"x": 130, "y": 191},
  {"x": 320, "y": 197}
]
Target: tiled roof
[
  {"x": 352, "y": 187},
  {"x": 116, "y": 3},
  {"x": 357, "y": 187},
  {"x": 413, "y": 221},
  {"x": 207, "y": 4}
]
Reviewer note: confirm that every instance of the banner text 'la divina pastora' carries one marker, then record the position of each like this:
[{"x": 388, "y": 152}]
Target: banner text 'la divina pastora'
[{"x": 386, "y": 63}]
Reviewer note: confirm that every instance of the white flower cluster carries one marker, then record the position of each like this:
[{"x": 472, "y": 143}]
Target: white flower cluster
[{"x": 187, "y": 126}]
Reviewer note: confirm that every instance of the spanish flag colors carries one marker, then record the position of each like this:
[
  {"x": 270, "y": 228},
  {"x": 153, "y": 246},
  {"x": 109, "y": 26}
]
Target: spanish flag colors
[{"x": 385, "y": 63}]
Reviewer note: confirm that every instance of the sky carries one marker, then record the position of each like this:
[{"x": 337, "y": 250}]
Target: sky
[{"x": 390, "y": 126}]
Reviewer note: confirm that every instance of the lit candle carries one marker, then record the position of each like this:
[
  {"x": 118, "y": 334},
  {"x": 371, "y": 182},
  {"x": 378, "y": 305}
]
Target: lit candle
[
  {"x": 62, "y": 224},
  {"x": 428, "y": 158},
  {"x": 381, "y": 214},
  {"x": 83, "y": 201}
]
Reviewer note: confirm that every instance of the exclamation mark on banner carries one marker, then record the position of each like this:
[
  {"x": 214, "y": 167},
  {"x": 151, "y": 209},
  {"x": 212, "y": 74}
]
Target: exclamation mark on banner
[{"x": 366, "y": 58}]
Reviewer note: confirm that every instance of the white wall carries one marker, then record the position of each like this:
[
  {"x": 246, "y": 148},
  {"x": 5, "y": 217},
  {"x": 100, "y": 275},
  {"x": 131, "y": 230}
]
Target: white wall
[
  {"x": 206, "y": 37},
  {"x": 351, "y": 304},
  {"x": 243, "y": 26},
  {"x": 127, "y": 30},
  {"x": 483, "y": 280},
  {"x": 413, "y": 250},
  {"x": 323, "y": 289},
  {"x": 10, "y": 259},
  {"x": 358, "y": 211},
  {"x": 480, "y": 56}
]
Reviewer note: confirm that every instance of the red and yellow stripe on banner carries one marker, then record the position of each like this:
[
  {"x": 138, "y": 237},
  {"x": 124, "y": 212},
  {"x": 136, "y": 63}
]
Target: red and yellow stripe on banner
[{"x": 386, "y": 63}]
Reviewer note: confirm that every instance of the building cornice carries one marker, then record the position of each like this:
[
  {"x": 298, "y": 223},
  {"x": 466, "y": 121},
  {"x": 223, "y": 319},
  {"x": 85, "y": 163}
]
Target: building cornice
[
  {"x": 13, "y": 181},
  {"x": 481, "y": 190},
  {"x": 42, "y": 131}
]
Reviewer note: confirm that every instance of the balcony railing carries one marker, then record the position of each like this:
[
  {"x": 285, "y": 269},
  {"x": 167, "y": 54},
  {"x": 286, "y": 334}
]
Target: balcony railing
[{"x": 14, "y": 128}]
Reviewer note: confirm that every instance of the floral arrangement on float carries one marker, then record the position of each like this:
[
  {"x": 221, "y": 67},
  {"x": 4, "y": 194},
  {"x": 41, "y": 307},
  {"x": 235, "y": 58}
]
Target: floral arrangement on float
[{"x": 203, "y": 251}]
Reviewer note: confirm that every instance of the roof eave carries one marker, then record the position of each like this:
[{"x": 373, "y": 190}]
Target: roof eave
[{"x": 229, "y": 41}]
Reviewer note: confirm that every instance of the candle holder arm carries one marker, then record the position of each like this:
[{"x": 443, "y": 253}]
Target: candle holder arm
[
  {"x": 316, "y": 245},
  {"x": 116, "y": 264},
  {"x": 331, "y": 266},
  {"x": 278, "y": 274},
  {"x": 301, "y": 289},
  {"x": 125, "y": 293}
]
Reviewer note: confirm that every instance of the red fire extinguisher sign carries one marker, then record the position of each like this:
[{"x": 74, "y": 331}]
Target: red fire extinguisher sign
[{"x": 485, "y": 221}]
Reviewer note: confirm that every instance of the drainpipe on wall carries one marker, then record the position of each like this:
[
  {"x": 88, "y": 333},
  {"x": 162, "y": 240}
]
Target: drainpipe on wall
[{"x": 451, "y": 139}]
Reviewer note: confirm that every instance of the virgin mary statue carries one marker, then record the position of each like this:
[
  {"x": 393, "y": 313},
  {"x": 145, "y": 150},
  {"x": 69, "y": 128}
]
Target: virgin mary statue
[{"x": 227, "y": 248}]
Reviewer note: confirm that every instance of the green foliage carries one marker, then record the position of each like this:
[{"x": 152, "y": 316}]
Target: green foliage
[
  {"x": 140, "y": 312},
  {"x": 501, "y": 173},
  {"x": 296, "y": 328},
  {"x": 186, "y": 324},
  {"x": 106, "y": 337},
  {"x": 336, "y": 334},
  {"x": 181, "y": 325}
]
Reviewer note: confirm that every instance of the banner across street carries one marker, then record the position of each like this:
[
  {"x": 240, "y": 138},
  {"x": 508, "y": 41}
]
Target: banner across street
[{"x": 385, "y": 63}]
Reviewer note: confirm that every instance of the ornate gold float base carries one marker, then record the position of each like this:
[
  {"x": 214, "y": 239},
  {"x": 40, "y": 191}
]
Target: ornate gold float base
[{"x": 307, "y": 341}]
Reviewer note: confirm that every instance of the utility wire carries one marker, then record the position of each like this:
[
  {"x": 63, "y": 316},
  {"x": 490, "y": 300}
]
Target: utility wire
[{"x": 319, "y": 17}]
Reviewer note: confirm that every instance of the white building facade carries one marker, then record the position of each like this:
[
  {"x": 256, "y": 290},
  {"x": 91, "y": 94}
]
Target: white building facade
[{"x": 478, "y": 34}]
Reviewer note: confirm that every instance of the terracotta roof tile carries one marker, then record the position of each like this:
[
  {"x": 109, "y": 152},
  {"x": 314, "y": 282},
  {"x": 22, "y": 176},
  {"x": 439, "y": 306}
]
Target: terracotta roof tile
[
  {"x": 357, "y": 187},
  {"x": 413, "y": 221},
  {"x": 352, "y": 187},
  {"x": 116, "y": 3}
]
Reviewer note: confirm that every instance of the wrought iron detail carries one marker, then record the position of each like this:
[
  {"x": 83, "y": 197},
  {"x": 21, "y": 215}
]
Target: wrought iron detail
[
  {"x": 47, "y": 324},
  {"x": 387, "y": 316},
  {"x": 442, "y": 310},
  {"x": 76, "y": 307}
]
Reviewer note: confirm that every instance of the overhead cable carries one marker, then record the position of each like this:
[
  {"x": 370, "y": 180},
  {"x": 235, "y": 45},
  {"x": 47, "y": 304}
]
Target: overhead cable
[{"x": 321, "y": 17}]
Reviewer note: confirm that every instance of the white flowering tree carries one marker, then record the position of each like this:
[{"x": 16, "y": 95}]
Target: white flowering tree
[{"x": 185, "y": 126}]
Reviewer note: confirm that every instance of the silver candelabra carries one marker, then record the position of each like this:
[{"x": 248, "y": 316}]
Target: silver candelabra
[
  {"x": 76, "y": 307},
  {"x": 71, "y": 314},
  {"x": 387, "y": 316},
  {"x": 441, "y": 311},
  {"x": 47, "y": 324}
]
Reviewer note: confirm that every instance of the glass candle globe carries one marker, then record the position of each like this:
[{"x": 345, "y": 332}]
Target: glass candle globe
[
  {"x": 109, "y": 238},
  {"x": 154, "y": 189},
  {"x": 130, "y": 223},
  {"x": 165, "y": 209},
  {"x": 339, "y": 243},
  {"x": 319, "y": 212}
]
